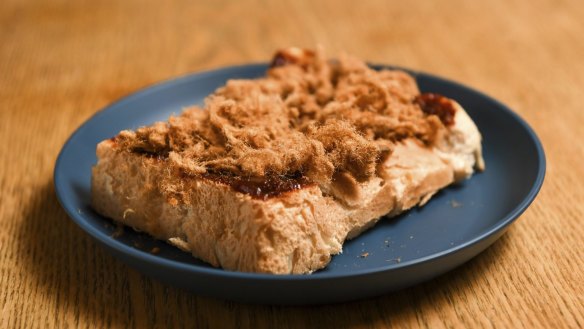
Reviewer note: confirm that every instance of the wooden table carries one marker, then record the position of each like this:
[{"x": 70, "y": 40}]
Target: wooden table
[{"x": 61, "y": 61}]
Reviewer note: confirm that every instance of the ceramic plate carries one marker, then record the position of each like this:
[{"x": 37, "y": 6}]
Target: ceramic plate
[{"x": 456, "y": 225}]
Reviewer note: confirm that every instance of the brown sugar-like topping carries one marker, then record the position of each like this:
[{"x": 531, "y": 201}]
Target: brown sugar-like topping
[
  {"x": 297, "y": 56},
  {"x": 437, "y": 105},
  {"x": 306, "y": 120}
]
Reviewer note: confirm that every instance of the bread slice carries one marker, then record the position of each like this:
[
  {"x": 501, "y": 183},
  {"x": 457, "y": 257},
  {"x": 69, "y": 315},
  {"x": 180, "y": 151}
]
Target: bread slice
[{"x": 292, "y": 225}]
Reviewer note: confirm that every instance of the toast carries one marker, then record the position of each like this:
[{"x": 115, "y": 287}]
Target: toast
[{"x": 274, "y": 174}]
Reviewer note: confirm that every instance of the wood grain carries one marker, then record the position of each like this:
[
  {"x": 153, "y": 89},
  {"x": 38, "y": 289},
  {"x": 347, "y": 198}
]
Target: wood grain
[{"x": 61, "y": 61}]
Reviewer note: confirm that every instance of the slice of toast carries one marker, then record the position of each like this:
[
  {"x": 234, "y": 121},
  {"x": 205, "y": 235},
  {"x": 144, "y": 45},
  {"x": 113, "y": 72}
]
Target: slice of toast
[{"x": 311, "y": 159}]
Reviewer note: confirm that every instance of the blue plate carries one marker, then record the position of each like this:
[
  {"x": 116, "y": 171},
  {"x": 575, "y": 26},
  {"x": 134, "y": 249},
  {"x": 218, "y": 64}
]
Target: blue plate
[{"x": 457, "y": 224}]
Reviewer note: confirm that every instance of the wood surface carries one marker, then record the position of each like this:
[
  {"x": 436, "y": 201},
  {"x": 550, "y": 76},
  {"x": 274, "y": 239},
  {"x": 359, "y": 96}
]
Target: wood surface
[{"x": 61, "y": 61}]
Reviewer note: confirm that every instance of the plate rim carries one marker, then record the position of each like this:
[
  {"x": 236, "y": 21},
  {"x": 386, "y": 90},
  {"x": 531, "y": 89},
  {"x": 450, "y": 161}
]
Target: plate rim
[{"x": 151, "y": 259}]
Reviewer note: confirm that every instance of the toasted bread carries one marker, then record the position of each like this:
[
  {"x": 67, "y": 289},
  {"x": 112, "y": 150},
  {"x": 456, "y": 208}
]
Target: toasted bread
[{"x": 270, "y": 215}]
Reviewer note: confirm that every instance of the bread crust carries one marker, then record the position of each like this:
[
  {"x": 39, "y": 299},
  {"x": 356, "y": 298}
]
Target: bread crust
[{"x": 293, "y": 233}]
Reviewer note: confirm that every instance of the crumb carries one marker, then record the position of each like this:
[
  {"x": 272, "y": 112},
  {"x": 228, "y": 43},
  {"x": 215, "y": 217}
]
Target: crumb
[
  {"x": 411, "y": 237},
  {"x": 455, "y": 204},
  {"x": 394, "y": 260},
  {"x": 126, "y": 212},
  {"x": 155, "y": 250},
  {"x": 364, "y": 255},
  {"x": 118, "y": 232}
]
